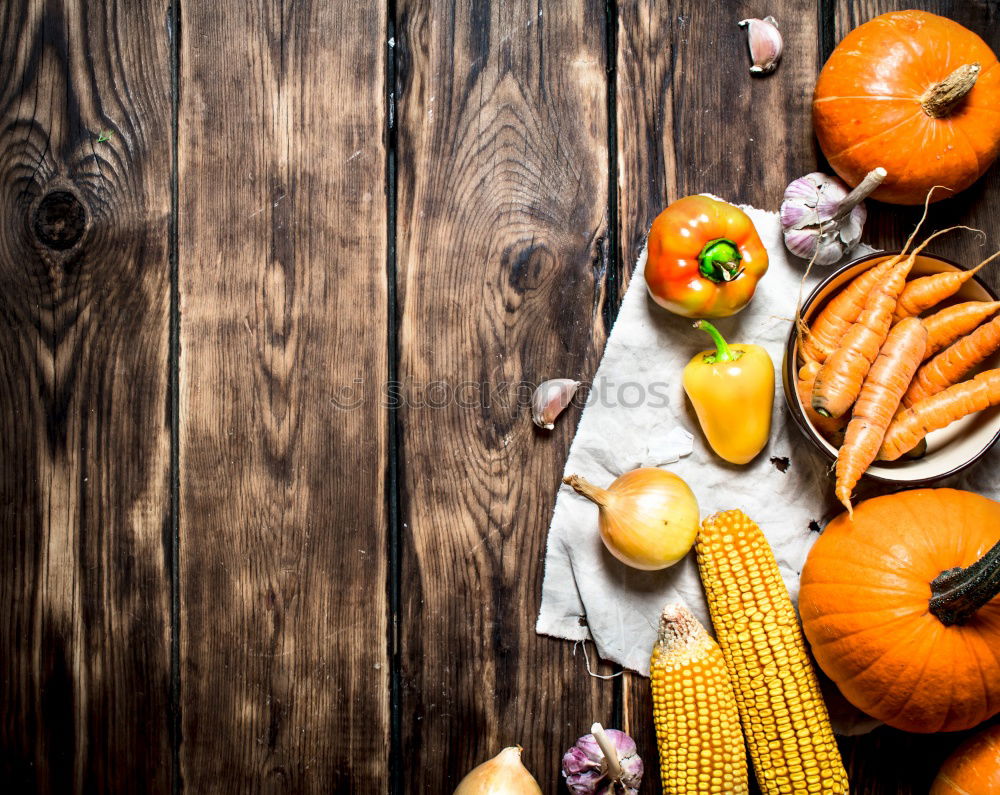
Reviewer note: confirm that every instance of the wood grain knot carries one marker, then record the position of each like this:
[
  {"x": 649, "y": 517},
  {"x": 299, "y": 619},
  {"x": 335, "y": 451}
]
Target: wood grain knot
[{"x": 60, "y": 220}]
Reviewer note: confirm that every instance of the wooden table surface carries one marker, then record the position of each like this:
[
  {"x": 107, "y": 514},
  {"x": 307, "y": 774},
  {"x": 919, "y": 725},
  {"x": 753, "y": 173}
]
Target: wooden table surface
[{"x": 272, "y": 514}]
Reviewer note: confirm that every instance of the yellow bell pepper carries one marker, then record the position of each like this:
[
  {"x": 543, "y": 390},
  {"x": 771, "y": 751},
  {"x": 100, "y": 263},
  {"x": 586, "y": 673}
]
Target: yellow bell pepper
[{"x": 732, "y": 390}]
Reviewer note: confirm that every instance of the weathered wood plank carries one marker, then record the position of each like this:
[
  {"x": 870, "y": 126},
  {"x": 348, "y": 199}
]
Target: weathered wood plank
[
  {"x": 85, "y": 542},
  {"x": 502, "y": 256},
  {"x": 979, "y": 206},
  {"x": 692, "y": 119},
  {"x": 283, "y": 303}
]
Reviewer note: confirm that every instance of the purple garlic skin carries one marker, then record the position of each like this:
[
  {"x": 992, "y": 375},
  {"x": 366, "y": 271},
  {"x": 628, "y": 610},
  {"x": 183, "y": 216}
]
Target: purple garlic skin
[
  {"x": 585, "y": 771},
  {"x": 810, "y": 203},
  {"x": 821, "y": 219}
]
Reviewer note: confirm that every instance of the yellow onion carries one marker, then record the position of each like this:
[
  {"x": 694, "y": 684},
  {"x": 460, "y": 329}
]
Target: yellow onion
[
  {"x": 502, "y": 775},
  {"x": 648, "y": 517}
]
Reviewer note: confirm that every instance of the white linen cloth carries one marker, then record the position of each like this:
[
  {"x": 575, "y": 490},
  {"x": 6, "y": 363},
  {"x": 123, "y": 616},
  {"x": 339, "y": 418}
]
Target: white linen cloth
[{"x": 787, "y": 489}]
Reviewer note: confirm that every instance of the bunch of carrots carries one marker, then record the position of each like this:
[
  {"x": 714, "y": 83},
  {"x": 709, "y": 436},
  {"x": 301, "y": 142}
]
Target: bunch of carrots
[{"x": 876, "y": 378}]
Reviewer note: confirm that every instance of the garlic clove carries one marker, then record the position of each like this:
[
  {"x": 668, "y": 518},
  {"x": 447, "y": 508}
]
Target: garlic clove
[
  {"x": 850, "y": 230},
  {"x": 766, "y": 44},
  {"x": 804, "y": 242},
  {"x": 550, "y": 399},
  {"x": 805, "y": 189},
  {"x": 808, "y": 199},
  {"x": 797, "y": 215}
]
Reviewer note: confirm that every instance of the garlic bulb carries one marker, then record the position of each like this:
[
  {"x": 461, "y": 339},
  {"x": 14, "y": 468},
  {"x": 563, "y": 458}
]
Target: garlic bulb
[
  {"x": 604, "y": 762},
  {"x": 549, "y": 400},
  {"x": 821, "y": 219},
  {"x": 765, "y": 43},
  {"x": 502, "y": 775}
]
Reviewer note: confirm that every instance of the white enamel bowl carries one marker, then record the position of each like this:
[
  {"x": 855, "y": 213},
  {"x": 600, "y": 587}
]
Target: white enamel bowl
[{"x": 950, "y": 449}]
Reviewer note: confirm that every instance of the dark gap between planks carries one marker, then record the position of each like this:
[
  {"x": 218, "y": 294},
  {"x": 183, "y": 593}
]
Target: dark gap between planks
[
  {"x": 612, "y": 299},
  {"x": 173, "y": 386},
  {"x": 613, "y": 279},
  {"x": 827, "y": 30},
  {"x": 394, "y": 571}
]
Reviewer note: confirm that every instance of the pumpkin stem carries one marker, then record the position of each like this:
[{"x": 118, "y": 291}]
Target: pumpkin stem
[
  {"x": 956, "y": 594},
  {"x": 942, "y": 98}
]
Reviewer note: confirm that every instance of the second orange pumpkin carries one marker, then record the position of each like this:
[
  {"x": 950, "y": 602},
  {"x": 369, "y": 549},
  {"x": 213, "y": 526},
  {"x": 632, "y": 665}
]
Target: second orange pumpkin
[{"x": 974, "y": 767}]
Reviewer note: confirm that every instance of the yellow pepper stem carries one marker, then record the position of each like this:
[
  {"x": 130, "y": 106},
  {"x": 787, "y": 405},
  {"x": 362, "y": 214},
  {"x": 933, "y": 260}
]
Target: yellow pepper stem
[{"x": 723, "y": 353}]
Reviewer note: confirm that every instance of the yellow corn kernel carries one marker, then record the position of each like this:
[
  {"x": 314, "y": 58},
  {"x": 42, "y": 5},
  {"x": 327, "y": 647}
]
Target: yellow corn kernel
[
  {"x": 694, "y": 710},
  {"x": 783, "y": 713}
]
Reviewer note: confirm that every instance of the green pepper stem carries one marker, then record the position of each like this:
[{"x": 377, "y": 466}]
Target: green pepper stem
[
  {"x": 723, "y": 353},
  {"x": 719, "y": 260}
]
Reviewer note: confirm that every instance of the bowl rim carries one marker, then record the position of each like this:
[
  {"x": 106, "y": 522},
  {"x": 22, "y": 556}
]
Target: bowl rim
[{"x": 791, "y": 398}]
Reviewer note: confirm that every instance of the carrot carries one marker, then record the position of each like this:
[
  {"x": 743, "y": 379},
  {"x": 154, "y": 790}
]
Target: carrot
[
  {"x": 840, "y": 379},
  {"x": 886, "y": 382},
  {"x": 954, "y": 362},
  {"x": 939, "y": 411},
  {"x": 950, "y": 324},
  {"x": 833, "y": 321},
  {"x": 828, "y": 328},
  {"x": 927, "y": 291},
  {"x": 829, "y": 428}
]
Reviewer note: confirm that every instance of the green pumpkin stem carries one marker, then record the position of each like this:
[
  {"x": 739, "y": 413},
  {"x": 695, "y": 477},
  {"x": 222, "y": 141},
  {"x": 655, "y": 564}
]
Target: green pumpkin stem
[{"x": 956, "y": 594}]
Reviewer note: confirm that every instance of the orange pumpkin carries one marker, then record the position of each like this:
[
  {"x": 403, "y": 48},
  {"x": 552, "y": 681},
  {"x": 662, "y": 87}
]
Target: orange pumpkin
[
  {"x": 901, "y": 611},
  {"x": 974, "y": 767},
  {"x": 914, "y": 93}
]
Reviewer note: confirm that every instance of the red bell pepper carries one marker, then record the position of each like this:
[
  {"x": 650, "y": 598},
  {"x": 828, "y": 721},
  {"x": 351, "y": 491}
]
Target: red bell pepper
[{"x": 704, "y": 258}]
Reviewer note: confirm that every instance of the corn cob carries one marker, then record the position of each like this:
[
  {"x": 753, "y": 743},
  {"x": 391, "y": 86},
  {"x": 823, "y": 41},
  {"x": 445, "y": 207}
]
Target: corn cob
[
  {"x": 784, "y": 717},
  {"x": 694, "y": 710}
]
